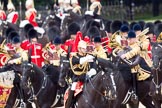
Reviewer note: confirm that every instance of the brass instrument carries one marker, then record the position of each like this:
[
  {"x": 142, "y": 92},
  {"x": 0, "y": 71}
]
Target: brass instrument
[{"x": 113, "y": 42}]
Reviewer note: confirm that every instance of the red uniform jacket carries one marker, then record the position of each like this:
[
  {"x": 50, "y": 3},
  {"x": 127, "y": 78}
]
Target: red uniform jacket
[
  {"x": 25, "y": 44},
  {"x": 36, "y": 54}
]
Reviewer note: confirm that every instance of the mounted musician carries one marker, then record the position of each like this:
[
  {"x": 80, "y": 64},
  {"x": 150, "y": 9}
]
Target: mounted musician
[
  {"x": 142, "y": 69},
  {"x": 53, "y": 51}
]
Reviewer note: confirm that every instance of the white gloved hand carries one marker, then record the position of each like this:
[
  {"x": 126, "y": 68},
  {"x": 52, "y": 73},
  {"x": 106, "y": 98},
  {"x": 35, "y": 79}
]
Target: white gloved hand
[
  {"x": 91, "y": 72},
  {"x": 83, "y": 60},
  {"x": 90, "y": 58}
]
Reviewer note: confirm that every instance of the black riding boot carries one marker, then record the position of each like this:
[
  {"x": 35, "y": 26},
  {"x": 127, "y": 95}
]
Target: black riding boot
[
  {"x": 70, "y": 99},
  {"x": 134, "y": 97}
]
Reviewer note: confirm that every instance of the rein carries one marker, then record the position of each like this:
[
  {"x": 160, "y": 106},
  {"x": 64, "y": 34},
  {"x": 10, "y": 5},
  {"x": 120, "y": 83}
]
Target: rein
[
  {"x": 43, "y": 85},
  {"x": 105, "y": 97}
]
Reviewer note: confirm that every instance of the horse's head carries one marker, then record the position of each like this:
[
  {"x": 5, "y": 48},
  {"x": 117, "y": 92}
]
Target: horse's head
[
  {"x": 156, "y": 54},
  {"x": 65, "y": 66},
  {"x": 26, "y": 72}
]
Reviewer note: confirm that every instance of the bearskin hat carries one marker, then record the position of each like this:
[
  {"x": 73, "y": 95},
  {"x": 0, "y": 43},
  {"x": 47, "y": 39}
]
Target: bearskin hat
[
  {"x": 115, "y": 26},
  {"x": 158, "y": 29},
  {"x": 124, "y": 28},
  {"x": 73, "y": 28},
  {"x": 150, "y": 25},
  {"x": 131, "y": 25},
  {"x": 53, "y": 32},
  {"x": 57, "y": 40},
  {"x": 137, "y": 27},
  {"x": 107, "y": 26},
  {"x": 93, "y": 32},
  {"x": 32, "y": 33},
  {"x": 97, "y": 39},
  {"x": 125, "y": 22},
  {"x": 8, "y": 31},
  {"x": 16, "y": 39},
  {"x": 11, "y": 35},
  {"x": 157, "y": 22},
  {"x": 142, "y": 24},
  {"x": 27, "y": 27},
  {"x": 131, "y": 34}
]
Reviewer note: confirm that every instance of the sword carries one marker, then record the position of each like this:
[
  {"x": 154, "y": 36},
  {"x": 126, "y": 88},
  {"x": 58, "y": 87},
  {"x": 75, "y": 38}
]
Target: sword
[
  {"x": 20, "y": 4},
  {"x": 87, "y": 5}
]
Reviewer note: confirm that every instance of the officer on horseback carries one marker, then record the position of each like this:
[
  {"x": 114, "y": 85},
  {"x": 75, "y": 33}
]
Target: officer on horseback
[
  {"x": 12, "y": 16},
  {"x": 76, "y": 7},
  {"x": 80, "y": 64},
  {"x": 141, "y": 70}
]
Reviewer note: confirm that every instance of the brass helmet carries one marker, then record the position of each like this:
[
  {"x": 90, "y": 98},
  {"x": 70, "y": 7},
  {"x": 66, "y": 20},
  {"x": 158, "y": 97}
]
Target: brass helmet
[
  {"x": 74, "y": 1},
  {"x": 10, "y": 5},
  {"x": 82, "y": 44},
  {"x": 29, "y": 3}
]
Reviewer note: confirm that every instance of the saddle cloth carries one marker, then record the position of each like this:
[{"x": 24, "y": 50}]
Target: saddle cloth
[
  {"x": 79, "y": 88},
  {"x": 6, "y": 79},
  {"x": 6, "y": 84}
]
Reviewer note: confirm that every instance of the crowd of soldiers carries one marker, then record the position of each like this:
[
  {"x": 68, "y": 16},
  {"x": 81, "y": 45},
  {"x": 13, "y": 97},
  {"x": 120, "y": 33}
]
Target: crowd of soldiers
[{"x": 80, "y": 49}]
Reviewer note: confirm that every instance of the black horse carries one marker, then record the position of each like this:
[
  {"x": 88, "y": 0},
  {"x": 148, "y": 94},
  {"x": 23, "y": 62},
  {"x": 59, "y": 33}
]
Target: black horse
[
  {"x": 156, "y": 84},
  {"x": 98, "y": 91},
  {"x": 124, "y": 77},
  {"x": 39, "y": 85}
]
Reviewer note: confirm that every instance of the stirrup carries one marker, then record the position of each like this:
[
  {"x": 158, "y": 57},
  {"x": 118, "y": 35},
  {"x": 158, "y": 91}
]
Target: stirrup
[{"x": 134, "y": 98}]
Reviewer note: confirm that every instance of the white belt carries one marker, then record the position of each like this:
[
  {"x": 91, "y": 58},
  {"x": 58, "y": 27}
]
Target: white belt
[{"x": 35, "y": 56}]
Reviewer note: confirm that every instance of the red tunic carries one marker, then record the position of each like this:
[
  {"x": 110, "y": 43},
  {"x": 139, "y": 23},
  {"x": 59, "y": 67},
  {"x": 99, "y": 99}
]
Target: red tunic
[
  {"x": 36, "y": 54},
  {"x": 24, "y": 44}
]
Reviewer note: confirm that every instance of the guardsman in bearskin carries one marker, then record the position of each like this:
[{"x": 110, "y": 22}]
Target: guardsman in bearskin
[
  {"x": 80, "y": 67},
  {"x": 142, "y": 70},
  {"x": 76, "y": 7},
  {"x": 25, "y": 43},
  {"x": 35, "y": 48},
  {"x": 31, "y": 13},
  {"x": 96, "y": 7},
  {"x": 99, "y": 51},
  {"x": 12, "y": 16},
  {"x": 2, "y": 12}
]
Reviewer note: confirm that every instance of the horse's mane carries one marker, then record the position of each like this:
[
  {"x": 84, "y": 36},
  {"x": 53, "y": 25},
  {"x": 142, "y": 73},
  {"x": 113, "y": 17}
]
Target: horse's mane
[
  {"x": 36, "y": 68},
  {"x": 106, "y": 63}
]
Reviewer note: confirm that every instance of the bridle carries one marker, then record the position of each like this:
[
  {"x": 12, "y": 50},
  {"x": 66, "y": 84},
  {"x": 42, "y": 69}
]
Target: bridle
[
  {"x": 157, "y": 70},
  {"x": 106, "y": 93},
  {"x": 33, "y": 95}
]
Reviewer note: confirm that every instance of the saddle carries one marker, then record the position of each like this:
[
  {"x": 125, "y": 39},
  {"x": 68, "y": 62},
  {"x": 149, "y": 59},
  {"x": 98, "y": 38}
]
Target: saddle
[{"x": 78, "y": 90}]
